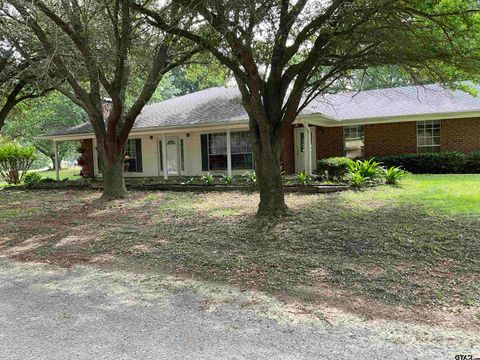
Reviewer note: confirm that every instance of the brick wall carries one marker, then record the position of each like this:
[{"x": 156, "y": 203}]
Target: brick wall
[
  {"x": 401, "y": 138},
  {"x": 460, "y": 135},
  {"x": 390, "y": 139},
  {"x": 329, "y": 142},
  {"x": 87, "y": 168}
]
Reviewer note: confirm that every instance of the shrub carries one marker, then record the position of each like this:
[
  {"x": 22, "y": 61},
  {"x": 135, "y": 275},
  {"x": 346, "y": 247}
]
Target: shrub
[
  {"x": 208, "y": 179},
  {"x": 303, "y": 178},
  {"x": 356, "y": 180},
  {"x": 47, "y": 180},
  {"x": 227, "y": 179},
  {"x": 369, "y": 169},
  {"x": 363, "y": 173},
  {"x": 335, "y": 167},
  {"x": 432, "y": 163},
  {"x": 32, "y": 179},
  {"x": 394, "y": 174},
  {"x": 15, "y": 161},
  {"x": 473, "y": 162},
  {"x": 251, "y": 177}
]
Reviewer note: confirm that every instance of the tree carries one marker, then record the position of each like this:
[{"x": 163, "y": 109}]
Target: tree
[
  {"x": 15, "y": 161},
  {"x": 96, "y": 49},
  {"x": 44, "y": 115},
  {"x": 19, "y": 63},
  {"x": 199, "y": 76},
  {"x": 284, "y": 53}
]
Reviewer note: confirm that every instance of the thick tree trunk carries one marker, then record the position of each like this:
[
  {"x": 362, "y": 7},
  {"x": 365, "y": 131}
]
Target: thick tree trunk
[
  {"x": 113, "y": 181},
  {"x": 269, "y": 177},
  {"x": 112, "y": 175}
]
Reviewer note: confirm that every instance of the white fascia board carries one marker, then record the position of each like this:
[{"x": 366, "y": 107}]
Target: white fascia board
[
  {"x": 155, "y": 130},
  {"x": 68, "y": 137},
  {"x": 329, "y": 122}
]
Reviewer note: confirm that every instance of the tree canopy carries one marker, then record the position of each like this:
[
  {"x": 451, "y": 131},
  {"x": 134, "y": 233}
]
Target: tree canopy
[
  {"x": 284, "y": 53},
  {"x": 20, "y": 64},
  {"x": 101, "y": 49},
  {"x": 43, "y": 116}
]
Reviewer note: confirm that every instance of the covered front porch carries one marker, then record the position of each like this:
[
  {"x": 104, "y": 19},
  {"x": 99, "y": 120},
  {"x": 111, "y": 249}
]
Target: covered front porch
[{"x": 196, "y": 152}]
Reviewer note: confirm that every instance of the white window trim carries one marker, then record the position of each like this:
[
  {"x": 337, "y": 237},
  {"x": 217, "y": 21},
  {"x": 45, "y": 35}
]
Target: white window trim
[
  {"x": 345, "y": 149},
  {"x": 428, "y": 146},
  {"x": 228, "y": 153}
]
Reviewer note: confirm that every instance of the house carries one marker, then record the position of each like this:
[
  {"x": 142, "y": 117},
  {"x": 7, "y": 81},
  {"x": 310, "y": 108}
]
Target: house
[{"x": 207, "y": 131}]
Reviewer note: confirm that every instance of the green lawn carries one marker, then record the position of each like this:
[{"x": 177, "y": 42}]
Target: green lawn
[
  {"x": 439, "y": 194},
  {"x": 70, "y": 173},
  {"x": 404, "y": 252}
]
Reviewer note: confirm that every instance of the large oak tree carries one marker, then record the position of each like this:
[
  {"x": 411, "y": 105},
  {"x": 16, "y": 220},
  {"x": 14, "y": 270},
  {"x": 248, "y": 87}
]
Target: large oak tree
[
  {"x": 101, "y": 49},
  {"x": 20, "y": 62},
  {"x": 284, "y": 53}
]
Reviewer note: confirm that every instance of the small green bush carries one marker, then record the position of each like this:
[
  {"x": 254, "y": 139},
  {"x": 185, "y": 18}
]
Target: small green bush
[
  {"x": 32, "y": 179},
  {"x": 303, "y": 178},
  {"x": 334, "y": 168},
  {"x": 47, "y": 180},
  {"x": 394, "y": 174},
  {"x": 227, "y": 179},
  {"x": 251, "y": 177},
  {"x": 369, "y": 169},
  {"x": 356, "y": 180},
  {"x": 364, "y": 173},
  {"x": 208, "y": 179},
  {"x": 15, "y": 161}
]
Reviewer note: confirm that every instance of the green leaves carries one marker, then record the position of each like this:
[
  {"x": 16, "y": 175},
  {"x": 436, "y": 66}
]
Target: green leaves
[{"x": 15, "y": 160}]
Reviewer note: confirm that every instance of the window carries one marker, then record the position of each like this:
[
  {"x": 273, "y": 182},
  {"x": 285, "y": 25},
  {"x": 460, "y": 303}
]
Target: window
[
  {"x": 428, "y": 136},
  {"x": 133, "y": 155},
  {"x": 242, "y": 154},
  {"x": 214, "y": 151},
  {"x": 353, "y": 141},
  {"x": 217, "y": 151}
]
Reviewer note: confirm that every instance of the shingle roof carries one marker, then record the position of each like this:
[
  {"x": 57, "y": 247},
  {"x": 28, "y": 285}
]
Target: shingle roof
[
  {"x": 223, "y": 105},
  {"x": 393, "y": 102},
  {"x": 212, "y": 106}
]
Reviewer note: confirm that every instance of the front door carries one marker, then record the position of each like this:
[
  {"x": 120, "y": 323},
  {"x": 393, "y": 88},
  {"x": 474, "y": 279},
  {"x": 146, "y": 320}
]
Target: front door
[
  {"x": 172, "y": 155},
  {"x": 300, "y": 147},
  {"x": 299, "y": 150}
]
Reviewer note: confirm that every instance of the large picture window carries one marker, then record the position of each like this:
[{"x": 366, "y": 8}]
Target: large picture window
[
  {"x": 428, "y": 136},
  {"x": 214, "y": 151},
  {"x": 353, "y": 141}
]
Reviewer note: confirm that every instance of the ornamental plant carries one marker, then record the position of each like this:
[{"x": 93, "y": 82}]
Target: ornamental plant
[
  {"x": 303, "y": 178},
  {"x": 394, "y": 174},
  {"x": 15, "y": 161}
]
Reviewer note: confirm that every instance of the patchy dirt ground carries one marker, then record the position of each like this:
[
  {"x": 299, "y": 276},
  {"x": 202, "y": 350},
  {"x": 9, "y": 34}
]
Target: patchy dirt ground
[{"x": 381, "y": 262}]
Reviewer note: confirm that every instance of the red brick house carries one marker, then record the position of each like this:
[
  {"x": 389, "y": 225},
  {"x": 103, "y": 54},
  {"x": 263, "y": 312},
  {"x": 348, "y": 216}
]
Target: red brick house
[{"x": 207, "y": 131}]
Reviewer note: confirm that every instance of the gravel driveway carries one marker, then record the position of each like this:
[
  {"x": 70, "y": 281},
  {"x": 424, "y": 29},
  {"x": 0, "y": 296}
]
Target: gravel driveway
[{"x": 85, "y": 313}]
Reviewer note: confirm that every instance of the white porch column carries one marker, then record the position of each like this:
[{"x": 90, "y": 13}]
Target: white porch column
[
  {"x": 229, "y": 153},
  {"x": 164, "y": 156},
  {"x": 308, "y": 149},
  {"x": 57, "y": 164}
]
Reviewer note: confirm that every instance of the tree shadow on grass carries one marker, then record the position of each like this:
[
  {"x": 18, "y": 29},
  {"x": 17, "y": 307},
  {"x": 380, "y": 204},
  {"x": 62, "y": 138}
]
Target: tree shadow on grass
[{"x": 363, "y": 260}]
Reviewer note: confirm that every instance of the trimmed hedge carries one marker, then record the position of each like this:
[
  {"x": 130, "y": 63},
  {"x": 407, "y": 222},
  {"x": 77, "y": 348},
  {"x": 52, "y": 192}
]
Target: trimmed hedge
[
  {"x": 335, "y": 167},
  {"x": 434, "y": 163}
]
